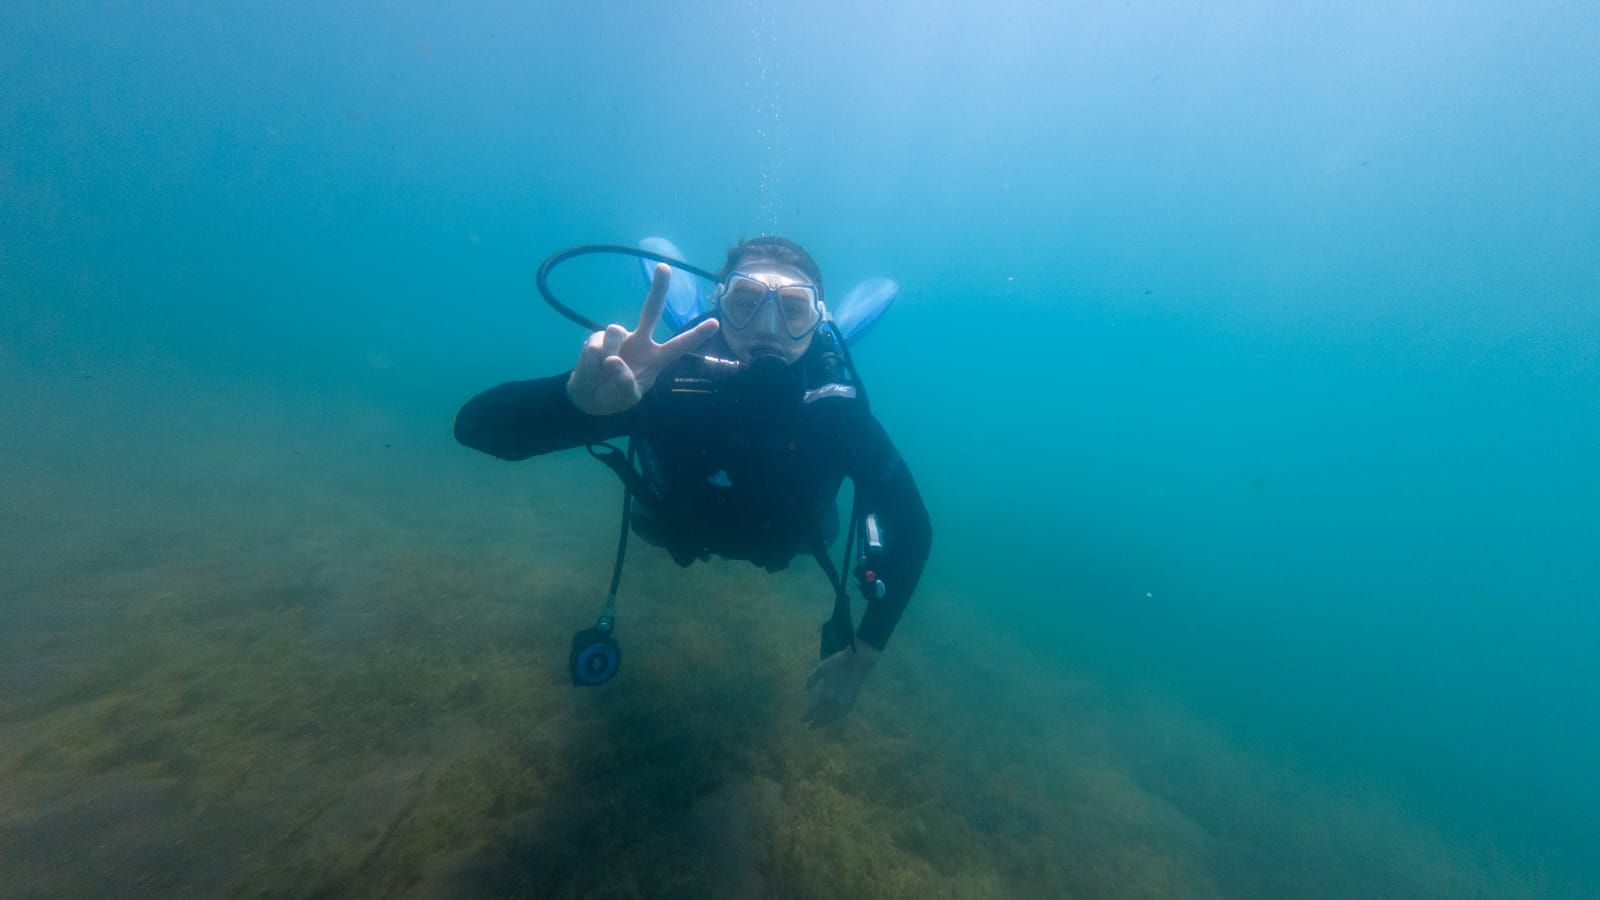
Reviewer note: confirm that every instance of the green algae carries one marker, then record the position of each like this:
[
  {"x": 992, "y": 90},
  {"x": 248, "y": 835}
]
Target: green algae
[{"x": 389, "y": 716}]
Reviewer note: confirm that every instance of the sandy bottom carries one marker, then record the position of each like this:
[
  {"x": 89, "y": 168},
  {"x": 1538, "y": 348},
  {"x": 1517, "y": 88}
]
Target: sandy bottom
[{"x": 255, "y": 646}]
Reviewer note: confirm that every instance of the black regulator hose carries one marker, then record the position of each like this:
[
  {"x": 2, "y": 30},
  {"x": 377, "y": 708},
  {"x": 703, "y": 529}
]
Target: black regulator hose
[{"x": 556, "y": 259}]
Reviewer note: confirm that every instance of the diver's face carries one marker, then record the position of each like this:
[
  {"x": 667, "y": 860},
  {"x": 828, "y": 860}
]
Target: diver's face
[{"x": 765, "y": 331}]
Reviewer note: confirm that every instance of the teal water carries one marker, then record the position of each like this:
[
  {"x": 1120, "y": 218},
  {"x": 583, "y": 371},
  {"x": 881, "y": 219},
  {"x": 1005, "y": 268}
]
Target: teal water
[{"x": 1248, "y": 358}]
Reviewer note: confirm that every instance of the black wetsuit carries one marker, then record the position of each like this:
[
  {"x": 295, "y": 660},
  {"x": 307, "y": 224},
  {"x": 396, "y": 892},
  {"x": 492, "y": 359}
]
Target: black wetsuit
[{"x": 743, "y": 465}]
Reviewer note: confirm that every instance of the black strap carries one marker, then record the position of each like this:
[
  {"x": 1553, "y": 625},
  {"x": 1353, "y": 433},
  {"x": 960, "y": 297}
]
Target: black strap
[
  {"x": 622, "y": 464},
  {"x": 841, "y": 622}
]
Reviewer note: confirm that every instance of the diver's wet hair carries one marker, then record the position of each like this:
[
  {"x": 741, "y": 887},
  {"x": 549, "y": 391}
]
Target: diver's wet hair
[{"x": 773, "y": 249}]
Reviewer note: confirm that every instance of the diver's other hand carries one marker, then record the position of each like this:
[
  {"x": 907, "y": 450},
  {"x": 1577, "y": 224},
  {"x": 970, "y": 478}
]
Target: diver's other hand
[
  {"x": 836, "y": 681},
  {"x": 617, "y": 366}
]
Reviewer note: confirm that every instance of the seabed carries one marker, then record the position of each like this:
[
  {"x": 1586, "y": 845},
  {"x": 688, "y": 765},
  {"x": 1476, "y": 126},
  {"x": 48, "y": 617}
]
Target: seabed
[{"x": 261, "y": 665}]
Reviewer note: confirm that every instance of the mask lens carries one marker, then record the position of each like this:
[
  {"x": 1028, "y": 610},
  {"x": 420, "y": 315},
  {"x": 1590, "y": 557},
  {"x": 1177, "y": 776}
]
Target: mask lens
[
  {"x": 799, "y": 306},
  {"x": 741, "y": 300}
]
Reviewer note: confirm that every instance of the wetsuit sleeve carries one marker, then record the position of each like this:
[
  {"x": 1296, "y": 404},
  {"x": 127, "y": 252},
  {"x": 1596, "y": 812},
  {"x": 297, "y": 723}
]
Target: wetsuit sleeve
[
  {"x": 520, "y": 419},
  {"x": 888, "y": 491}
]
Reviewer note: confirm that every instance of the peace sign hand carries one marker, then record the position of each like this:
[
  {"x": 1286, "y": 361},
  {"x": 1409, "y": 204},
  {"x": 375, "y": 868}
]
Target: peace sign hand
[{"x": 617, "y": 366}]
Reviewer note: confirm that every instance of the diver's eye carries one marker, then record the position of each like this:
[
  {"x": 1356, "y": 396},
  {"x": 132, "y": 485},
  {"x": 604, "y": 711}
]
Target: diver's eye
[
  {"x": 798, "y": 303},
  {"x": 743, "y": 296}
]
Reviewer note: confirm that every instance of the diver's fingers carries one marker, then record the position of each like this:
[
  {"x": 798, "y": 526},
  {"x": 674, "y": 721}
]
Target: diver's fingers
[
  {"x": 592, "y": 355},
  {"x": 688, "y": 341},
  {"x": 612, "y": 338},
  {"x": 655, "y": 301},
  {"x": 617, "y": 371}
]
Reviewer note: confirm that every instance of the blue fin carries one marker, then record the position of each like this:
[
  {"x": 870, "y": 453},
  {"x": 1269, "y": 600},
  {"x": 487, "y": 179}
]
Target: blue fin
[
  {"x": 862, "y": 307},
  {"x": 685, "y": 298}
]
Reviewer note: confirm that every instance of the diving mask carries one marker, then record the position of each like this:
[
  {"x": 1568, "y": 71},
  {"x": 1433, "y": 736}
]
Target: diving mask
[{"x": 794, "y": 309}]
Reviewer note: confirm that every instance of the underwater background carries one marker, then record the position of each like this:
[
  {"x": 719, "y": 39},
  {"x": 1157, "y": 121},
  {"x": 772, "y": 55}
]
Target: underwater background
[{"x": 1247, "y": 356}]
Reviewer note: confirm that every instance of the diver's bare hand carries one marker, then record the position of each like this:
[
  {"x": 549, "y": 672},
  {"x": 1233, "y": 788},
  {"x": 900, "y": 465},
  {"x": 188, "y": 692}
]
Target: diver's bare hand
[
  {"x": 617, "y": 366},
  {"x": 836, "y": 681}
]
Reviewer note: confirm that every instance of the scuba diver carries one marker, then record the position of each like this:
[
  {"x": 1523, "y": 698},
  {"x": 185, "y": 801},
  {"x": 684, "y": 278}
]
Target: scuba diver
[{"x": 743, "y": 427}]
